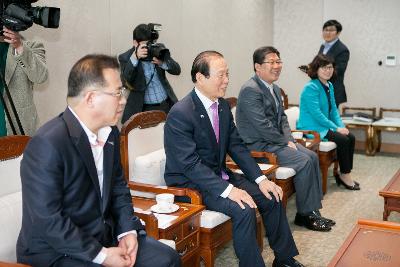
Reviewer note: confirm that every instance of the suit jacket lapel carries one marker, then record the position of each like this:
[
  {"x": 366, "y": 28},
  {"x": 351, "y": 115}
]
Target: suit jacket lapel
[
  {"x": 266, "y": 92},
  {"x": 81, "y": 142},
  {"x": 201, "y": 114},
  {"x": 223, "y": 114},
  {"x": 279, "y": 99},
  {"x": 108, "y": 161},
  {"x": 11, "y": 66}
]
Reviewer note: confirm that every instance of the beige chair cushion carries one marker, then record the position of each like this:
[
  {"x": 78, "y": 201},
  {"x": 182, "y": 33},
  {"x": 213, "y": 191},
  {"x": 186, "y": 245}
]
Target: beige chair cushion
[
  {"x": 281, "y": 173},
  {"x": 292, "y": 114},
  {"x": 211, "y": 219},
  {"x": 10, "y": 181},
  {"x": 326, "y": 146},
  {"x": 149, "y": 168},
  {"x": 10, "y": 224}
]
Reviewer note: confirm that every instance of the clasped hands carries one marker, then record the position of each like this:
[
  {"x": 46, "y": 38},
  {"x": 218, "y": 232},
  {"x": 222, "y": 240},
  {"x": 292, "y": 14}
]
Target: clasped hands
[
  {"x": 124, "y": 255},
  {"x": 241, "y": 197}
]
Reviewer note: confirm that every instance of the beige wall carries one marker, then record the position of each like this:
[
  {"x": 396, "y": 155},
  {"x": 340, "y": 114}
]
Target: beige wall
[
  {"x": 234, "y": 27},
  {"x": 189, "y": 27}
]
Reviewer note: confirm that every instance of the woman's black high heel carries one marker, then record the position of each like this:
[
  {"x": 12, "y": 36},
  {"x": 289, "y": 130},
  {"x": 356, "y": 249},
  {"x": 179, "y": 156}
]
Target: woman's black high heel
[
  {"x": 339, "y": 182},
  {"x": 337, "y": 176}
]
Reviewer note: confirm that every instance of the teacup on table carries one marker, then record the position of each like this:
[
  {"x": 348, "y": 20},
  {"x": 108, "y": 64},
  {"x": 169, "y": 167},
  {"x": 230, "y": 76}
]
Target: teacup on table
[
  {"x": 297, "y": 135},
  {"x": 165, "y": 200}
]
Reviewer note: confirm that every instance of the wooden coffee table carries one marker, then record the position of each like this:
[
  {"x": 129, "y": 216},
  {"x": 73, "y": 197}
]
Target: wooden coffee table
[
  {"x": 371, "y": 243},
  {"x": 184, "y": 229},
  {"x": 7, "y": 264},
  {"x": 391, "y": 195}
]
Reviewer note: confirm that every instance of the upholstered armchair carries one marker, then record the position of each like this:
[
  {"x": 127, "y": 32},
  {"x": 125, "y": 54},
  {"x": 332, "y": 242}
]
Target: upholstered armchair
[
  {"x": 11, "y": 148},
  {"x": 143, "y": 161}
]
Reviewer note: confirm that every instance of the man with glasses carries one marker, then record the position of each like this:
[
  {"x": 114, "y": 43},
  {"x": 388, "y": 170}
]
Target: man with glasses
[
  {"x": 263, "y": 126},
  {"x": 77, "y": 209},
  {"x": 339, "y": 52}
]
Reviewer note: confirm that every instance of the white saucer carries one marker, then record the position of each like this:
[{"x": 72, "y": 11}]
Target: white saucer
[{"x": 169, "y": 209}]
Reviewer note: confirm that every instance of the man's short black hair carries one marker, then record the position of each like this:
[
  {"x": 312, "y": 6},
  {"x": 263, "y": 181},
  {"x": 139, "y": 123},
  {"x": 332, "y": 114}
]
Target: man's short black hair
[
  {"x": 333, "y": 22},
  {"x": 319, "y": 61},
  {"x": 260, "y": 53},
  {"x": 202, "y": 63},
  {"x": 142, "y": 32},
  {"x": 89, "y": 71}
]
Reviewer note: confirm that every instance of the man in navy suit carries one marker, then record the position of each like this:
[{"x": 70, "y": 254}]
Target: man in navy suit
[
  {"x": 339, "y": 52},
  {"x": 77, "y": 209},
  {"x": 198, "y": 133}
]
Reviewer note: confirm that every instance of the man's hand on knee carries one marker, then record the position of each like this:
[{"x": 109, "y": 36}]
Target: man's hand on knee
[
  {"x": 116, "y": 257},
  {"x": 240, "y": 196},
  {"x": 267, "y": 187},
  {"x": 129, "y": 244}
]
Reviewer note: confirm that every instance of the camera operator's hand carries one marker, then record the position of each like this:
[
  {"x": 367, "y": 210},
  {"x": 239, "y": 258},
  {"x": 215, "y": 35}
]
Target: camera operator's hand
[
  {"x": 157, "y": 61},
  {"x": 14, "y": 39},
  {"x": 141, "y": 51}
]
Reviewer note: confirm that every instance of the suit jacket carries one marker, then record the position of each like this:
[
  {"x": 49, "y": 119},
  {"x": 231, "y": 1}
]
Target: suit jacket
[
  {"x": 261, "y": 124},
  {"x": 134, "y": 79},
  {"x": 314, "y": 109},
  {"x": 341, "y": 54},
  {"x": 194, "y": 159},
  {"x": 21, "y": 73},
  {"x": 63, "y": 210}
]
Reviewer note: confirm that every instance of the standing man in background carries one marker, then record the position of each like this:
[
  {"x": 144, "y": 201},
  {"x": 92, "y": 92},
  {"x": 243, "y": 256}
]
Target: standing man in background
[
  {"x": 22, "y": 64},
  {"x": 339, "y": 52},
  {"x": 144, "y": 73}
]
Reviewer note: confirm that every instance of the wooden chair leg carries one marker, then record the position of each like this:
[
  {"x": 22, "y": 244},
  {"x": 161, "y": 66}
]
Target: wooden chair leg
[
  {"x": 260, "y": 232},
  {"x": 336, "y": 168}
]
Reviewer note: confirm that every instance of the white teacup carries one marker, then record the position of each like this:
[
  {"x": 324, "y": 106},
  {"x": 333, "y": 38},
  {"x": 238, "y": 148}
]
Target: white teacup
[
  {"x": 297, "y": 135},
  {"x": 165, "y": 200}
]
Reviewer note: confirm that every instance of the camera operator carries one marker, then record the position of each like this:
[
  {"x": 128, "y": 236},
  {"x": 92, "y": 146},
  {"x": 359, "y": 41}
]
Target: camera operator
[
  {"x": 144, "y": 74},
  {"x": 22, "y": 64}
]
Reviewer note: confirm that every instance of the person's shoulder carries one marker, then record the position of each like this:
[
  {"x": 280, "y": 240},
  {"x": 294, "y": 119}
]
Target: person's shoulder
[
  {"x": 342, "y": 46},
  {"x": 33, "y": 44},
  {"x": 126, "y": 55}
]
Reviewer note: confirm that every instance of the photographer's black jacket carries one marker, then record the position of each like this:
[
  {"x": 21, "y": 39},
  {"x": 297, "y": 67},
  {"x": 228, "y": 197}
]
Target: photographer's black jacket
[{"x": 133, "y": 78}]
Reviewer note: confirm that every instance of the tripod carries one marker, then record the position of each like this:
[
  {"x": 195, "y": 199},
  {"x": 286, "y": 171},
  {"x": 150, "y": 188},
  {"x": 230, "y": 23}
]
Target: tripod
[{"x": 21, "y": 130}]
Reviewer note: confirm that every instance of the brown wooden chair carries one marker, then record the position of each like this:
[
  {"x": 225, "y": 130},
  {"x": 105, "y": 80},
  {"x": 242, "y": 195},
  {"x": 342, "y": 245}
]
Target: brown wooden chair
[
  {"x": 388, "y": 123},
  {"x": 142, "y": 136},
  {"x": 11, "y": 149}
]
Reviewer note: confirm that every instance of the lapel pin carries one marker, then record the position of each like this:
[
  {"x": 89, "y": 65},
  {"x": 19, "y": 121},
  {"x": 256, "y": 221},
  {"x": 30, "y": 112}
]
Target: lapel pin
[{"x": 202, "y": 116}]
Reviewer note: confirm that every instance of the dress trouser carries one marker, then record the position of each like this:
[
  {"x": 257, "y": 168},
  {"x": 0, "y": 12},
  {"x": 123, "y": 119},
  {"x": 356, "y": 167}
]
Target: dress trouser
[
  {"x": 344, "y": 150},
  {"x": 244, "y": 223},
  {"x": 151, "y": 253}
]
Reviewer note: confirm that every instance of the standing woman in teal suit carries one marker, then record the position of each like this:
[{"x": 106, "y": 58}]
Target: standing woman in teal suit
[{"x": 318, "y": 112}]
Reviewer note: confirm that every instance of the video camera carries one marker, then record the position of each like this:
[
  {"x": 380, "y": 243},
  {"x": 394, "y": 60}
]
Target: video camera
[
  {"x": 19, "y": 15},
  {"x": 154, "y": 49}
]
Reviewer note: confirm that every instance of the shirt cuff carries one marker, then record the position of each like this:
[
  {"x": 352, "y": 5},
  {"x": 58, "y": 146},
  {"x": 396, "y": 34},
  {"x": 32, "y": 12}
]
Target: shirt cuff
[
  {"x": 260, "y": 179},
  {"x": 227, "y": 191},
  {"x": 134, "y": 61},
  {"x": 126, "y": 233},
  {"x": 101, "y": 257}
]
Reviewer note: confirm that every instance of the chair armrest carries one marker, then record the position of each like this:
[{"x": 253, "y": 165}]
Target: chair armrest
[
  {"x": 314, "y": 143},
  {"x": 194, "y": 196},
  {"x": 272, "y": 159},
  {"x": 151, "y": 223}
]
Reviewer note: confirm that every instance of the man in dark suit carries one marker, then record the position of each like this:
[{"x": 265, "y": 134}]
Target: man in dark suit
[
  {"x": 198, "y": 134},
  {"x": 263, "y": 125},
  {"x": 145, "y": 77},
  {"x": 339, "y": 52},
  {"x": 77, "y": 209}
]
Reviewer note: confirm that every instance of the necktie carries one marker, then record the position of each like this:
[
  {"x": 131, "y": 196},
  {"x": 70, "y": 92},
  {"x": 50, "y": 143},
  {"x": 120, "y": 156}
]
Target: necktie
[{"x": 215, "y": 124}]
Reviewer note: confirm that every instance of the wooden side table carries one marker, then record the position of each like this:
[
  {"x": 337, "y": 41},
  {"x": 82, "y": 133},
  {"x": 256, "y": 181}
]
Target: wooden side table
[
  {"x": 371, "y": 243},
  {"x": 184, "y": 230},
  {"x": 385, "y": 124},
  {"x": 391, "y": 195}
]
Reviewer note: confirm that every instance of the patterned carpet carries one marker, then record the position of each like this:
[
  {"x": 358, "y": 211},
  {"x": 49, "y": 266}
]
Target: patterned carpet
[{"x": 344, "y": 206}]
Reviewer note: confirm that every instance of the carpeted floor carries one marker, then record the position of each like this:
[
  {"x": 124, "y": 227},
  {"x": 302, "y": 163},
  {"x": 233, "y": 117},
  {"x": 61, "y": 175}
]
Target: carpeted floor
[{"x": 344, "y": 206}]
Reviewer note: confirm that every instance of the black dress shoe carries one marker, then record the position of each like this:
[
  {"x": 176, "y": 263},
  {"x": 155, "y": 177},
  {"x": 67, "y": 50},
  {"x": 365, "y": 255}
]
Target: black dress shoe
[
  {"x": 337, "y": 176},
  {"x": 328, "y": 221},
  {"x": 312, "y": 222},
  {"x": 286, "y": 263}
]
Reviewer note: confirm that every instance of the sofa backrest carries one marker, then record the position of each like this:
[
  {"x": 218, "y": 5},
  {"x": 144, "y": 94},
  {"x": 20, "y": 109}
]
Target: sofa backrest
[{"x": 11, "y": 148}]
